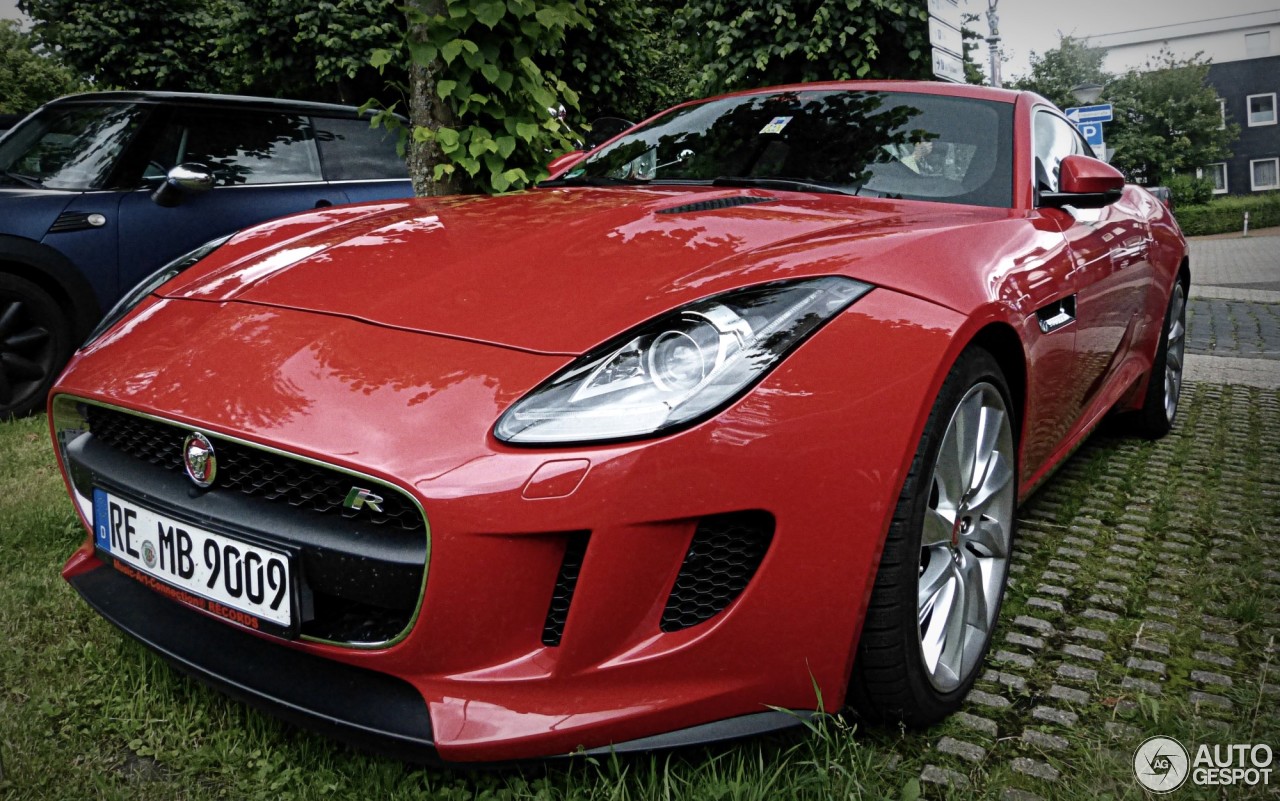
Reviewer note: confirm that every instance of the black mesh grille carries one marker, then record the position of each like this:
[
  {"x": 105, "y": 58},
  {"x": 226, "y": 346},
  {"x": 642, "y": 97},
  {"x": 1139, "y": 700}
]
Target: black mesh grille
[
  {"x": 723, "y": 556},
  {"x": 719, "y": 203},
  {"x": 270, "y": 476},
  {"x": 574, "y": 552}
]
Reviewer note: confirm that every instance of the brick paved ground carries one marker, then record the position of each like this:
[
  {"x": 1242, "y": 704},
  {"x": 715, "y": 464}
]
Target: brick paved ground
[
  {"x": 1234, "y": 312},
  {"x": 1145, "y": 588}
]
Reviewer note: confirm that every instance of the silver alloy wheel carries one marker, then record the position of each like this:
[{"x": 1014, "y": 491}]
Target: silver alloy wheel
[
  {"x": 1175, "y": 344},
  {"x": 966, "y": 537}
]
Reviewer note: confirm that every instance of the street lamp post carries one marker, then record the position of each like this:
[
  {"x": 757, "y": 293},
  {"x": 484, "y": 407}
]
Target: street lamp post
[{"x": 993, "y": 42}]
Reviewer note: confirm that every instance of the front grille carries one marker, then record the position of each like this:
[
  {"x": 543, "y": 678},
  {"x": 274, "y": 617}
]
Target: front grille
[
  {"x": 574, "y": 552},
  {"x": 251, "y": 471},
  {"x": 725, "y": 552},
  {"x": 361, "y": 573}
]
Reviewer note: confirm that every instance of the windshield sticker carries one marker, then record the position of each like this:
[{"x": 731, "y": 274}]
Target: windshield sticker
[{"x": 775, "y": 125}]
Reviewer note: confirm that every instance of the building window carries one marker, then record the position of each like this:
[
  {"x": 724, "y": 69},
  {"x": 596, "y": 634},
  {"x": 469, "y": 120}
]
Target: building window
[
  {"x": 1257, "y": 45},
  {"x": 1264, "y": 174},
  {"x": 1262, "y": 109},
  {"x": 1222, "y": 112},
  {"x": 1216, "y": 173}
]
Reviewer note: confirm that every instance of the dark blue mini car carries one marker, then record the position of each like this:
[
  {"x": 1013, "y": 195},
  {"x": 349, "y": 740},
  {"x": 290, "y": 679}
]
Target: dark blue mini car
[{"x": 98, "y": 191}]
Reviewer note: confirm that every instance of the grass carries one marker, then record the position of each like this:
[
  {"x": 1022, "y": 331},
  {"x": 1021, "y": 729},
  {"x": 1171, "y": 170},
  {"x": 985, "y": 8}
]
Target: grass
[{"x": 87, "y": 714}]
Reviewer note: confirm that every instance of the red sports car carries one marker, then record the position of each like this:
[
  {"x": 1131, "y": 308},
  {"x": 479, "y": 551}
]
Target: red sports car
[{"x": 738, "y": 406}]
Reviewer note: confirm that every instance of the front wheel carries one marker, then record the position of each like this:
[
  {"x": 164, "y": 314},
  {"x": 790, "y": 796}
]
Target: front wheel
[
  {"x": 34, "y": 345},
  {"x": 1164, "y": 386},
  {"x": 945, "y": 564}
]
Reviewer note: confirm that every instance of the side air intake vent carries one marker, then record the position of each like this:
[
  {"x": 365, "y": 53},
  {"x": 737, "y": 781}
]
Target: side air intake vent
[
  {"x": 575, "y": 551},
  {"x": 76, "y": 221},
  {"x": 725, "y": 552},
  {"x": 719, "y": 203}
]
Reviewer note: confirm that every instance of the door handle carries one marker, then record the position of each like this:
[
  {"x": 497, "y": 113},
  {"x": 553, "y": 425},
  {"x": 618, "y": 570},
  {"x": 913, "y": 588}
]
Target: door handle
[{"x": 323, "y": 204}]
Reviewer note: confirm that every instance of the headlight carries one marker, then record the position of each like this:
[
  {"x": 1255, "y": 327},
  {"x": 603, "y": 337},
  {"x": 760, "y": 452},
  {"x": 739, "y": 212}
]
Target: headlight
[
  {"x": 151, "y": 283},
  {"x": 678, "y": 368}
]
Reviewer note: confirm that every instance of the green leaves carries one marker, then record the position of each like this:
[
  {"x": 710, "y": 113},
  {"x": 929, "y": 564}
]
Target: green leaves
[
  {"x": 493, "y": 128},
  {"x": 762, "y": 42}
]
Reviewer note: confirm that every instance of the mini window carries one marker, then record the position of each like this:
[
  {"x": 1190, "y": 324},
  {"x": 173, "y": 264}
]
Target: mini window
[
  {"x": 1216, "y": 173},
  {"x": 1257, "y": 45},
  {"x": 1262, "y": 109},
  {"x": 1264, "y": 174},
  {"x": 1222, "y": 112}
]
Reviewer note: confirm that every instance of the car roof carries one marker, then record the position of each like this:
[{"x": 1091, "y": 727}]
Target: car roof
[{"x": 210, "y": 100}]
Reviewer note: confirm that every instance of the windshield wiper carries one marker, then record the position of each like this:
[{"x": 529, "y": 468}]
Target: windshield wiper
[
  {"x": 18, "y": 178},
  {"x": 792, "y": 184},
  {"x": 593, "y": 180}
]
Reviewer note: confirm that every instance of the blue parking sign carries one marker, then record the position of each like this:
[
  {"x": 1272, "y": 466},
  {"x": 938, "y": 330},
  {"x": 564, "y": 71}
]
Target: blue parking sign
[{"x": 1092, "y": 132}]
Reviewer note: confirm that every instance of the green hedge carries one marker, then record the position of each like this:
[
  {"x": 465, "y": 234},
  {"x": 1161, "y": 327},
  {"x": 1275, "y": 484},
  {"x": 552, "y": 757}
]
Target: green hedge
[{"x": 1226, "y": 214}]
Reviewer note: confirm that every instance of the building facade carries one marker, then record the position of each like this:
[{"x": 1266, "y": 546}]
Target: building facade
[{"x": 1244, "y": 55}]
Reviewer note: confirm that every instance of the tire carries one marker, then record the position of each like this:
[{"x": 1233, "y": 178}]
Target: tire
[
  {"x": 942, "y": 575},
  {"x": 1164, "y": 386},
  {"x": 35, "y": 342}
]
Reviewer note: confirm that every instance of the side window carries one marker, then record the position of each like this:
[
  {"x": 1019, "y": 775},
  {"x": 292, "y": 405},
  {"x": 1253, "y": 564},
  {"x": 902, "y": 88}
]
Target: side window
[
  {"x": 242, "y": 148},
  {"x": 1053, "y": 139},
  {"x": 352, "y": 151}
]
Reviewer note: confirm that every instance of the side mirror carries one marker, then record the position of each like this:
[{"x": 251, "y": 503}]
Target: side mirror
[
  {"x": 563, "y": 162},
  {"x": 189, "y": 177},
  {"x": 1085, "y": 183}
]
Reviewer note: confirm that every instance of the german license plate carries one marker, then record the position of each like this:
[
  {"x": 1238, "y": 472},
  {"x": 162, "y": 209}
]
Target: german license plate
[{"x": 240, "y": 581}]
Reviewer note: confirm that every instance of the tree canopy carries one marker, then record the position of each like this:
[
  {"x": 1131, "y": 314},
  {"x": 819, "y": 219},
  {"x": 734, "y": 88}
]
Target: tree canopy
[
  {"x": 29, "y": 77},
  {"x": 481, "y": 80},
  {"x": 1167, "y": 118},
  {"x": 752, "y": 43}
]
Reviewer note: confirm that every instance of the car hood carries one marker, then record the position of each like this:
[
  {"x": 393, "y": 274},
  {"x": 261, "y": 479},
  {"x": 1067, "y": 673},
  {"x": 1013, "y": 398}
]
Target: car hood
[{"x": 555, "y": 271}]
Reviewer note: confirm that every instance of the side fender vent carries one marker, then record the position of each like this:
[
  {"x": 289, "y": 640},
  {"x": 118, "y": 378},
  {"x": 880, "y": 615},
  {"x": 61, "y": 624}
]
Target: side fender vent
[
  {"x": 718, "y": 203},
  {"x": 76, "y": 221}
]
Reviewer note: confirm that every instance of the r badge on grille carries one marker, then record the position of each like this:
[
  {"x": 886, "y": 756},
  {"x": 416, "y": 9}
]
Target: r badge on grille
[
  {"x": 359, "y": 497},
  {"x": 199, "y": 459}
]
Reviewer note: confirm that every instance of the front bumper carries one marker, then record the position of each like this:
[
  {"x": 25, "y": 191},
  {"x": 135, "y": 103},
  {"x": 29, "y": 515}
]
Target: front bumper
[
  {"x": 363, "y": 708},
  {"x": 820, "y": 445}
]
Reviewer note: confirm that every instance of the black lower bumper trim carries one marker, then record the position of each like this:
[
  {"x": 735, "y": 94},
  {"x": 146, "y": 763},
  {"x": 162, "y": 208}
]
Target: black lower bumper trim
[
  {"x": 362, "y": 707},
  {"x": 715, "y": 732}
]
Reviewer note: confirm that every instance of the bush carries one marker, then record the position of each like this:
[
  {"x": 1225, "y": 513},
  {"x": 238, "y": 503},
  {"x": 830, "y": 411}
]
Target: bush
[
  {"x": 1189, "y": 190},
  {"x": 1226, "y": 214}
]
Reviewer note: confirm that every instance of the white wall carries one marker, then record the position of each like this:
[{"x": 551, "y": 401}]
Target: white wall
[{"x": 1218, "y": 40}]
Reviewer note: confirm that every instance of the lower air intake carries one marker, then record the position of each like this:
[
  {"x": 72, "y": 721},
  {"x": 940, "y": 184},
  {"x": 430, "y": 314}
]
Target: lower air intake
[
  {"x": 725, "y": 552},
  {"x": 574, "y": 552}
]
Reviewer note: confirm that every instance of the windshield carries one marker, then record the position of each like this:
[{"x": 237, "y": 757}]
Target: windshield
[
  {"x": 72, "y": 146},
  {"x": 888, "y": 144}
]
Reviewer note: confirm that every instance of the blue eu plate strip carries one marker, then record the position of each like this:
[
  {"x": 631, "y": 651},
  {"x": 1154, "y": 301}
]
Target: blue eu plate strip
[{"x": 101, "y": 520}]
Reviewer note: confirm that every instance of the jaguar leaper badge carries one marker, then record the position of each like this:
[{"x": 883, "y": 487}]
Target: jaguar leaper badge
[{"x": 199, "y": 459}]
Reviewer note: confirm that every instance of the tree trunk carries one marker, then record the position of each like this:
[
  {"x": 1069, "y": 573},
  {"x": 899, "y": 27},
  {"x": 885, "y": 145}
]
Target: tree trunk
[{"x": 426, "y": 110}]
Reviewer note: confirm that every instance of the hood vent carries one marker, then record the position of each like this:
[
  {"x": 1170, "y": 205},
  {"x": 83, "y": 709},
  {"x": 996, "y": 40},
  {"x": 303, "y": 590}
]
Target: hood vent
[{"x": 719, "y": 203}]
